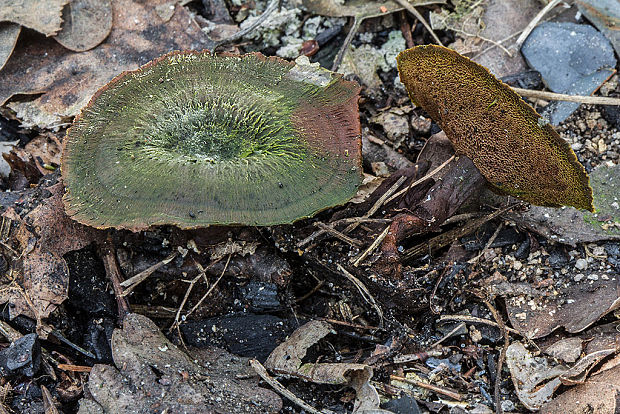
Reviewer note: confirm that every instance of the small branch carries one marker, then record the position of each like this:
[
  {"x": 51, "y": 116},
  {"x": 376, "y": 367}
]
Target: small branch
[
  {"x": 131, "y": 283},
  {"x": 329, "y": 229},
  {"x": 593, "y": 100},
  {"x": 345, "y": 45},
  {"x": 528, "y": 29},
  {"x": 372, "y": 247},
  {"x": 405, "y": 4},
  {"x": 280, "y": 389},
  {"x": 270, "y": 9},
  {"x": 439, "y": 390},
  {"x": 364, "y": 292},
  {"x": 473, "y": 319},
  {"x": 421, "y": 180},
  {"x": 114, "y": 274}
]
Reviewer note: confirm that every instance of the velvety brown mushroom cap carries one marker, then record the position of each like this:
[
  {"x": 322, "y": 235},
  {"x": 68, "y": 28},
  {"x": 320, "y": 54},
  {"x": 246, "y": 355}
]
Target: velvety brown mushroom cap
[
  {"x": 193, "y": 139},
  {"x": 507, "y": 140}
]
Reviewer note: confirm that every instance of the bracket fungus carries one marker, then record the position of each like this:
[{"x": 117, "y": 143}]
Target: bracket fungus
[
  {"x": 193, "y": 139},
  {"x": 510, "y": 144}
]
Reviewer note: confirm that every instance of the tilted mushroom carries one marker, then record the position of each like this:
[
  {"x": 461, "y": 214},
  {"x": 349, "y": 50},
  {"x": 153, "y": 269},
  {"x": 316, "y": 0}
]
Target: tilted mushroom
[
  {"x": 193, "y": 139},
  {"x": 510, "y": 144}
]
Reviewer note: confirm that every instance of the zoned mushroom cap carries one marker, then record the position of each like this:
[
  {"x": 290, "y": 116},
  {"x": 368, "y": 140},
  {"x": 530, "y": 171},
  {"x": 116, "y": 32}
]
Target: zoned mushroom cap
[
  {"x": 487, "y": 121},
  {"x": 193, "y": 139}
]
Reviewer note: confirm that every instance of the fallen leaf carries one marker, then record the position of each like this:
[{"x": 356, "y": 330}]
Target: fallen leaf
[
  {"x": 571, "y": 226},
  {"x": 86, "y": 23},
  {"x": 9, "y": 32},
  {"x": 598, "y": 395},
  {"x": 575, "y": 307},
  {"x": 286, "y": 360},
  {"x": 567, "y": 349},
  {"x": 535, "y": 378},
  {"x": 167, "y": 378},
  {"x": 44, "y": 16},
  {"x": 502, "y": 19},
  {"x": 67, "y": 80},
  {"x": 360, "y": 9},
  {"x": 42, "y": 236}
]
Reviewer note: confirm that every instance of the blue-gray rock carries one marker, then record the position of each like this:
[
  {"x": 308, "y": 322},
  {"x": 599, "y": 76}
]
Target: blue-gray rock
[{"x": 573, "y": 59}]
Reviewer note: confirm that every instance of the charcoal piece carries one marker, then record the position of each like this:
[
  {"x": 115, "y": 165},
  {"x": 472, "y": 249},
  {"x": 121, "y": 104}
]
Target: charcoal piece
[
  {"x": 243, "y": 334},
  {"x": 260, "y": 296},
  {"x": 611, "y": 113},
  {"x": 88, "y": 287},
  {"x": 23, "y": 357},
  {"x": 403, "y": 405},
  {"x": 97, "y": 339},
  {"x": 528, "y": 79}
]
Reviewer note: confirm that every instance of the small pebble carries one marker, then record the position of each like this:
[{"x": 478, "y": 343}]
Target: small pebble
[
  {"x": 517, "y": 265},
  {"x": 581, "y": 264},
  {"x": 578, "y": 277},
  {"x": 593, "y": 276}
]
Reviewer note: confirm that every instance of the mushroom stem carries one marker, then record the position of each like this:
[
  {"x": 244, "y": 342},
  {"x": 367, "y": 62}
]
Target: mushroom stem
[{"x": 442, "y": 200}]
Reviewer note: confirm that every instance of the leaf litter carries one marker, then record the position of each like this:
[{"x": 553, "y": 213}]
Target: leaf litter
[{"x": 554, "y": 279}]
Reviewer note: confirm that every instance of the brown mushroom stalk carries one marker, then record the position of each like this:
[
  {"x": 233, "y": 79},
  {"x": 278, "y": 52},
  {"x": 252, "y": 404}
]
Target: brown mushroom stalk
[{"x": 500, "y": 139}]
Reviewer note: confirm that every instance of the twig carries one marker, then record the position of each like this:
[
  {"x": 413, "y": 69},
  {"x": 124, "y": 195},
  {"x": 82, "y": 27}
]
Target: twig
[
  {"x": 349, "y": 324},
  {"x": 372, "y": 247},
  {"x": 473, "y": 319},
  {"x": 378, "y": 203},
  {"x": 74, "y": 368},
  {"x": 270, "y": 9},
  {"x": 593, "y": 100},
  {"x": 312, "y": 292},
  {"x": 487, "y": 245},
  {"x": 528, "y": 29},
  {"x": 280, "y": 389},
  {"x": 439, "y": 390},
  {"x": 502, "y": 356},
  {"x": 202, "y": 299},
  {"x": 364, "y": 292},
  {"x": 449, "y": 334},
  {"x": 345, "y": 45},
  {"x": 329, "y": 229},
  {"x": 405, "y": 4},
  {"x": 114, "y": 274},
  {"x": 131, "y": 283},
  {"x": 448, "y": 237},
  {"x": 421, "y": 180},
  {"x": 48, "y": 401}
]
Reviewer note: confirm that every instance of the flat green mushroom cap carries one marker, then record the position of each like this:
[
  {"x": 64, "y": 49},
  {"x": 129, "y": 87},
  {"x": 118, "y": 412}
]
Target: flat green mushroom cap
[
  {"x": 487, "y": 121},
  {"x": 193, "y": 139}
]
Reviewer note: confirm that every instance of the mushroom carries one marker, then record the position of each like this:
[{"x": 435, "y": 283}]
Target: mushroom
[
  {"x": 193, "y": 139},
  {"x": 511, "y": 145}
]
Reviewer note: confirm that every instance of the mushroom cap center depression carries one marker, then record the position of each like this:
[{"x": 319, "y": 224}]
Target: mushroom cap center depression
[{"x": 193, "y": 139}]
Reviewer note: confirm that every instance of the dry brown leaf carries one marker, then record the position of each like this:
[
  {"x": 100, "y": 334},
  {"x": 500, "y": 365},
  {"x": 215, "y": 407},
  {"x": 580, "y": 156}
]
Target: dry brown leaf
[
  {"x": 86, "y": 23},
  {"x": 9, "y": 32},
  {"x": 42, "y": 237},
  {"x": 360, "y": 9},
  {"x": 575, "y": 308},
  {"x": 44, "y": 16},
  {"x": 169, "y": 379},
  {"x": 535, "y": 378},
  {"x": 598, "y": 395},
  {"x": 68, "y": 79},
  {"x": 286, "y": 360}
]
